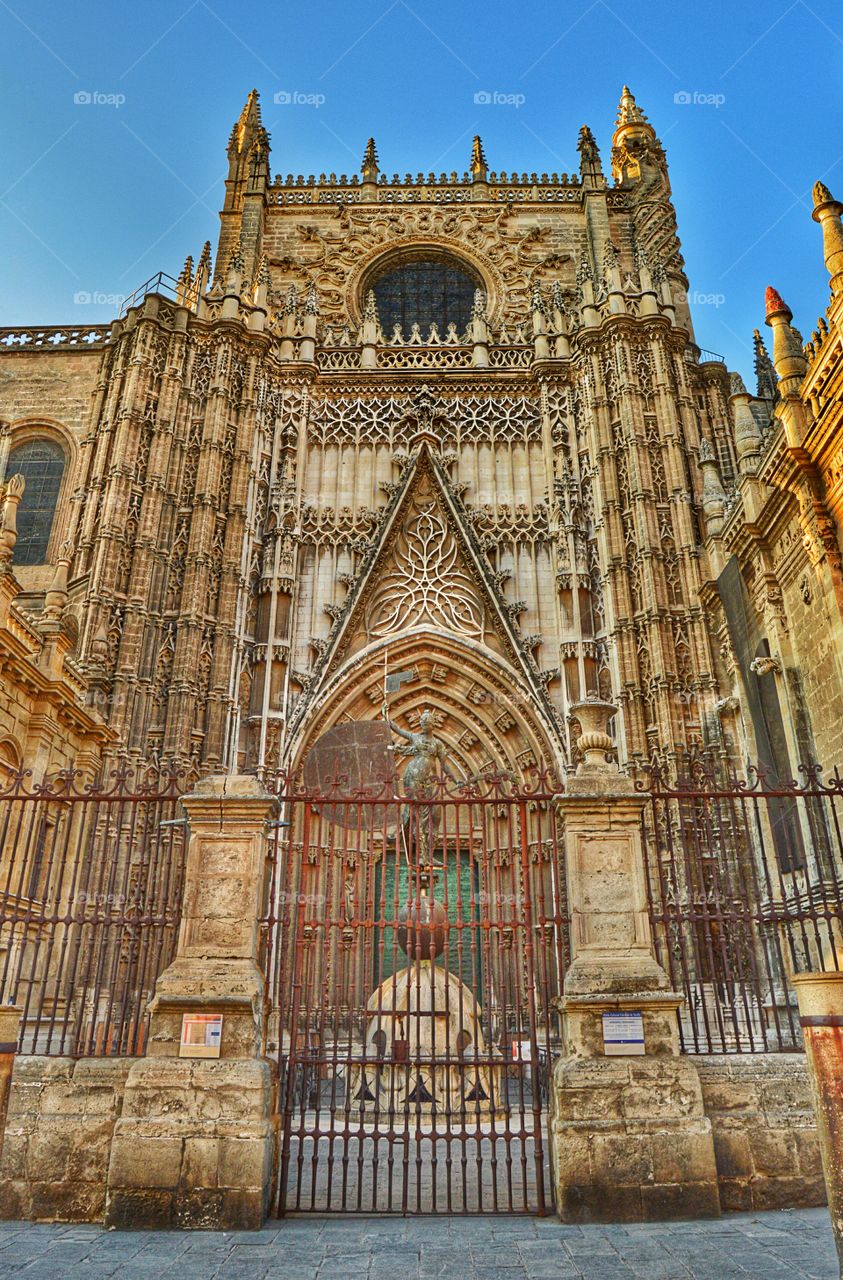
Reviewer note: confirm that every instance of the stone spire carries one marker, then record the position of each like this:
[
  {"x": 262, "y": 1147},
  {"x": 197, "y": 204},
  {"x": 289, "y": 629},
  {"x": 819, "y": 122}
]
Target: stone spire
[
  {"x": 184, "y": 284},
  {"x": 369, "y": 167},
  {"x": 788, "y": 357},
  {"x": 765, "y": 374},
  {"x": 747, "y": 433},
  {"x": 590, "y": 166},
  {"x": 629, "y": 111},
  {"x": 827, "y": 213},
  {"x": 479, "y": 168},
  {"x": 713, "y": 495},
  {"x": 203, "y": 269},
  {"x": 245, "y": 187}
]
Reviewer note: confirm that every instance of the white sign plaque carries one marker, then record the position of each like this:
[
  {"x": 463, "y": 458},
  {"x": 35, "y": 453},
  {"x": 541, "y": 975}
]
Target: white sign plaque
[
  {"x": 201, "y": 1035},
  {"x": 623, "y": 1034}
]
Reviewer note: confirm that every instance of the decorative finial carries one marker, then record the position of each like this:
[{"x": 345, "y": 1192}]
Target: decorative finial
[
  {"x": 8, "y": 520},
  {"x": 311, "y": 301},
  {"x": 369, "y": 168},
  {"x": 765, "y": 373},
  {"x": 479, "y": 167},
  {"x": 629, "y": 111},
  {"x": 775, "y": 304},
  {"x": 237, "y": 261},
  {"x": 586, "y": 144},
  {"x": 821, "y": 194}
]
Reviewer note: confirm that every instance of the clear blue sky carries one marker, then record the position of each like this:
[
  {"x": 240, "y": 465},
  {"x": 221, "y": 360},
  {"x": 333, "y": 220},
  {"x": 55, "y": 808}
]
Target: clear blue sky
[{"x": 95, "y": 198}]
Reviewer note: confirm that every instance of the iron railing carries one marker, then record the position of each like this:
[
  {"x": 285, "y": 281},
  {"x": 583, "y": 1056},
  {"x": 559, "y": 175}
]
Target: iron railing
[
  {"x": 90, "y": 901},
  {"x": 415, "y": 951},
  {"x": 744, "y": 877}
]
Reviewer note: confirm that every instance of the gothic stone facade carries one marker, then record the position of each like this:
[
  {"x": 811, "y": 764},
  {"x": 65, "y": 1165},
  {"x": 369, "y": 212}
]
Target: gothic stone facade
[{"x": 269, "y": 489}]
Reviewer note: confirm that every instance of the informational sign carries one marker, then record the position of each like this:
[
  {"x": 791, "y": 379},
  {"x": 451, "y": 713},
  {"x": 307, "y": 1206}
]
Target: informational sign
[
  {"x": 522, "y": 1051},
  {"x": 623, "y": 1034},
  {"x": 201, "y": 1035}
]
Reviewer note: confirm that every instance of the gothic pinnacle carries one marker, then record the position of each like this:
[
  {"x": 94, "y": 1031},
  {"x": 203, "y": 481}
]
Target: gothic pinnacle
[
  {"x": 590, "y": 166},
  {"x": 479, "y": 168},
  {"x": 827, "y": 212},
  {"x": 788, "y": 356},
  {"x": 369, "y": 168},
  {"x": 311, "y": 301},
  {"x": 629, "y": 111},
  {"x": 247, "y": 124},
  {"x": 765, "y": 374}
]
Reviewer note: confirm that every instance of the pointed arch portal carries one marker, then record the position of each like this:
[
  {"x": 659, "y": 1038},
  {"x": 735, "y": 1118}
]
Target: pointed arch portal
[
  {"x": 485, "y": 713},
  {"x": 426, "y": 602}
]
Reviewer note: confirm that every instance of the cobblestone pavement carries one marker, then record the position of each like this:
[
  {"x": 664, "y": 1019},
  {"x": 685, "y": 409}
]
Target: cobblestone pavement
[{"x": 792, "y": 1244}]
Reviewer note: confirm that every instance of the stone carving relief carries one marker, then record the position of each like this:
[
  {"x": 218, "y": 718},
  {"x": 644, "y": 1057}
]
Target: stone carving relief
[{"x": 427, "y": 582}]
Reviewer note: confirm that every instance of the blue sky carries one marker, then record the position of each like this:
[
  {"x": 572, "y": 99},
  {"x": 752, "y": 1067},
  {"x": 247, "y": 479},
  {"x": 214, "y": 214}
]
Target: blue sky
[{"x": 97, "y": 196}]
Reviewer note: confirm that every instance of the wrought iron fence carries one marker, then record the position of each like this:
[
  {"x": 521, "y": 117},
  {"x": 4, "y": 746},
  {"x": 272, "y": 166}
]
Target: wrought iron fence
[
  {"x": 744, "y": 877},
  {"x": 90, "y": 900},
  {"x": 414, "y": 950}
]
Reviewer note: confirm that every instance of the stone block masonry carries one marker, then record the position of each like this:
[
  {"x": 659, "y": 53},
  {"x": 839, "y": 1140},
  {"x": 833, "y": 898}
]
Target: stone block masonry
[
  {"x": 765, "y": 1132},
  {"x": 195, "y": 1149},
  {"x": 61, "y": 1118},
  {"x": 64, "y": 1124}
]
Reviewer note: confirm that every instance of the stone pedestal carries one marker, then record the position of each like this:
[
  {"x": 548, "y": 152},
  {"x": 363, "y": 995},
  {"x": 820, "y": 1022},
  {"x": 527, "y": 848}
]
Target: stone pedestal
[
  {"x": 630, "y": 1138},
  {"x": 194, "y": 1144},
  {"x": 820, "y": 997}
]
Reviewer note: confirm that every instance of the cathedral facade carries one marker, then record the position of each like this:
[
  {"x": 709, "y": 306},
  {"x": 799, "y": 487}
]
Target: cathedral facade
[{"x": 452, "y": 426}]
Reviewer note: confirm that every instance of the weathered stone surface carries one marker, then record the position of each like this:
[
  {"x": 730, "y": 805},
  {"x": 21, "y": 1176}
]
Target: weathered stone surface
[
  {"x": 765, "y": 1136},
  {"x": 631, "y": 1142},
  {"x": 58, "y": 1138}
]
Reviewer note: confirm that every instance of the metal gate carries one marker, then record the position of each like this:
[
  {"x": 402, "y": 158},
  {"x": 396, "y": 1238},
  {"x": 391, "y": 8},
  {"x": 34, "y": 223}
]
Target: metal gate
[{"x": 416, "y": 949}]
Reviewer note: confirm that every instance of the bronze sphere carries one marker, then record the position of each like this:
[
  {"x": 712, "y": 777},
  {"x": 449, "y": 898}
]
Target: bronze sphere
[{"x": 421, "y": 929}]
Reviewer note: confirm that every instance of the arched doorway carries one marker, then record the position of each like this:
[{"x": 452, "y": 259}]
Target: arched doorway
[
  {"x": 486, "y": 714},
  {"x": 421, "y": 946}
]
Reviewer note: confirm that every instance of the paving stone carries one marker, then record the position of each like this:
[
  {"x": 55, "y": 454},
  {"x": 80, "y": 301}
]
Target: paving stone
[{"x": 790, "y": 1246}]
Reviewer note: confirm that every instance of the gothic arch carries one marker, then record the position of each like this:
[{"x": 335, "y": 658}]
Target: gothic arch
[
  {"x": 379, "y": 259},
  {"x": 28, "y": 431},
  {"x": 486, "y": 715}
]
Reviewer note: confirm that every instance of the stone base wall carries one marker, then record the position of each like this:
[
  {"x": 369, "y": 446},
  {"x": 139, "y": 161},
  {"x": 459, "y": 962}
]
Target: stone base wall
[
  {"x": 765, "y": 1133},
  {"x": 57, "y": 1145},
  {"x": 63, "y": 1112}
]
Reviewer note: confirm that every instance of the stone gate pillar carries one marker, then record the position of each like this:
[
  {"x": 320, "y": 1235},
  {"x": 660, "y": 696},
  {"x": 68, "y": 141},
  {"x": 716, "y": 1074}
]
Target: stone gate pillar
[
  {"x": 193, "y": 1146},
  {"x": 630, "y": 1138}
]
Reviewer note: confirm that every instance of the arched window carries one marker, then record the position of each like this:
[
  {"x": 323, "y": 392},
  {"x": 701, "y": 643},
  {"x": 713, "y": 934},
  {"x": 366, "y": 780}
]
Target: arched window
[
  {"x": 424, "y": 289},
  {"x": 41, "y": 463}
]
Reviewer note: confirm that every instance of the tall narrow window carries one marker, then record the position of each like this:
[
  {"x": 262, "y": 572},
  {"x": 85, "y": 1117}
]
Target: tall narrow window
[{"x": 41, "y": 463}]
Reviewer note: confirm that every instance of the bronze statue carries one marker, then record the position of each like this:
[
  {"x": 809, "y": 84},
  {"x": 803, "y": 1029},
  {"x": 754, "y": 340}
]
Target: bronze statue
[{"x": 423, "y": 751}]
